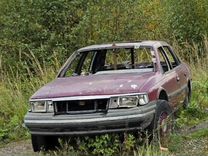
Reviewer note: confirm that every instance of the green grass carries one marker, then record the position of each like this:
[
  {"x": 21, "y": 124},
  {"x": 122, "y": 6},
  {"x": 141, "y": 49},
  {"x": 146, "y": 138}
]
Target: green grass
[
  {"x": 14, "y": 96},
  {"x": 16, "y": 89}
]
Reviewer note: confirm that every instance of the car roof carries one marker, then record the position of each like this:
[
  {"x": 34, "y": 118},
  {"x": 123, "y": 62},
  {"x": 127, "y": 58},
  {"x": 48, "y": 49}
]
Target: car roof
[{"x": 123, "y": 45}]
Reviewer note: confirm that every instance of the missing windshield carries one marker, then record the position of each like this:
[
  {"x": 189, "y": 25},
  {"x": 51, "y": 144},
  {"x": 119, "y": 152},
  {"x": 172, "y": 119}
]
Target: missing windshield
[{"x": 110, "y": 61}]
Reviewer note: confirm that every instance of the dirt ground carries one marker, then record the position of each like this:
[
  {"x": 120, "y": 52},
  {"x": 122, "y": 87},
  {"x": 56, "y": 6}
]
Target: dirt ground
[
  {"x": 20, "y": 148},
  {"x": 191, "y": 147}
]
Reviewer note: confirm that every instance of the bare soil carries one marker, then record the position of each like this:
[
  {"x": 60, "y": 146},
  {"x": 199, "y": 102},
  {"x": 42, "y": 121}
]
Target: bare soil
[
  {"x": 190, "y": 147},
  {"x": 19, "y": 148}
]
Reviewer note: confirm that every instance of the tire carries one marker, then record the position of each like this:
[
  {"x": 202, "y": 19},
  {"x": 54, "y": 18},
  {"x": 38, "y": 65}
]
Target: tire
[
  {"x": 187, "y": 98},
  {"x": 161, "y": 125},
  {"x": 44, "y": 143}
]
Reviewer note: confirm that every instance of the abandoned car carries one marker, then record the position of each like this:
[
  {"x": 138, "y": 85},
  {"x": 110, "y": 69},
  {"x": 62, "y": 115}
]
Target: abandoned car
[{"x": 110, "y": 88}]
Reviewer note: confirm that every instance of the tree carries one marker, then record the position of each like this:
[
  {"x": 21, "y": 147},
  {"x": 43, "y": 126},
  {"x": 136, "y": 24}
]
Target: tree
[{"x": 188, "y": 19}]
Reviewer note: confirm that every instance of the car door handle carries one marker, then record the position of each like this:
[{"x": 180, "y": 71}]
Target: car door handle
[{"x": 177, "y": 78}]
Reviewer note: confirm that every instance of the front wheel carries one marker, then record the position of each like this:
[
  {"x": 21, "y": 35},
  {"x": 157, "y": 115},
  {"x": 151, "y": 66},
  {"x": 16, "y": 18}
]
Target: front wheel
[
  {"x": 45, "y": 143},
  {"x": 161, "y": 126}
]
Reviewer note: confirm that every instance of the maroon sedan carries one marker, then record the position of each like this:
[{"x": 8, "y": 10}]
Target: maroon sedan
[{"x": 110, "y": 88}]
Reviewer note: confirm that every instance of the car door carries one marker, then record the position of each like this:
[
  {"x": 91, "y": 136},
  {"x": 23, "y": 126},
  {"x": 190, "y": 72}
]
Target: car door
[
  {"x": 170, "y": 78},
  {"x": 180, "y": 71}
]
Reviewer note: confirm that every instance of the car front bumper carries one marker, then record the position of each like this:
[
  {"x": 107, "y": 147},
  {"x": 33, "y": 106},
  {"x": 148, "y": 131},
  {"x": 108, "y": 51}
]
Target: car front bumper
[{"x": 115, "y": 120}]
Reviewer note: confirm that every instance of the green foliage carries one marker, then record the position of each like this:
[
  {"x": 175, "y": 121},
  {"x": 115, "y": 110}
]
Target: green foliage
[
  {"x": 188, "y": 19},
  {"x": 103, "y": 145},
  {"x": 200, "y": 134},
  {"x": 197, "y": 109},
  {"x": 42, "y": 27},
  {"x": 175, "y": 143},
  {"x": 14, "y": 94},
  {"x": 37, "y": 36},
  {"x": 51, "y": 28},
  {"x": 109, "y": 21},
  {"x": 189, "y": 144}
]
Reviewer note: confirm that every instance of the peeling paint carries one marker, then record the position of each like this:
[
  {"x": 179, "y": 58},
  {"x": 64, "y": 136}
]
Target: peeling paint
[
  {"x": 134, "y": 86},
  {"x": 93, "y": 85},
  {"x": 121, "y": 85}
]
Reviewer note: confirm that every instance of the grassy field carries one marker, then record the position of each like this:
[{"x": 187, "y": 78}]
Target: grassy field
[{"x": 15, "y": 90}]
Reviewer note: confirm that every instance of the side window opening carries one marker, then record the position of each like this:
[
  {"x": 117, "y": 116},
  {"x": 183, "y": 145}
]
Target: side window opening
[
  {"x": 81, "y": 65},
  {"x": 163, "y": 60},
  {"x": 171, "y": 57}
]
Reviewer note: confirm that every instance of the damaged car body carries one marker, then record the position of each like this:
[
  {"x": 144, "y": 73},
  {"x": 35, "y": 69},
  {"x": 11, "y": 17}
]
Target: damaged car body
[{"x": 110, "y": 88}]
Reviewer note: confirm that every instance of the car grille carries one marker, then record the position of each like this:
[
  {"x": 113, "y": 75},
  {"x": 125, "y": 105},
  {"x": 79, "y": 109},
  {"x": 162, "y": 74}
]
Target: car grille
[{"x": 80, "y": 106}]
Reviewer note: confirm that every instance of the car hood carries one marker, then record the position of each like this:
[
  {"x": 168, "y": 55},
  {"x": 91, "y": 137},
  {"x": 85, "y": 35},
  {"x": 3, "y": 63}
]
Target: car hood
[{"x": 93, "y": 85}]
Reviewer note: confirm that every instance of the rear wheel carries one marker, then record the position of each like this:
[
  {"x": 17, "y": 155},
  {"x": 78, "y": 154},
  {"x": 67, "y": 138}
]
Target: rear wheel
[
  {"x": 187, "y": 98},
  {"x": 161, "y": 126},
  {"x": 45, "y": 143}
]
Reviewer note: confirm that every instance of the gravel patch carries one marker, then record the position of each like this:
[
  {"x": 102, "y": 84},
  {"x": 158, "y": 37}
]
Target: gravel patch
[{"x": 20, "y": 148}]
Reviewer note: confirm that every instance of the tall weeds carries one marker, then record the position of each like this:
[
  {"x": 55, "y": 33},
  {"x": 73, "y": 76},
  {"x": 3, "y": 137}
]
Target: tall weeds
[
  {"x": 196, "y": 56},
  {"x": 17, "y": 87},
  {"x": 15, "y": 90}
]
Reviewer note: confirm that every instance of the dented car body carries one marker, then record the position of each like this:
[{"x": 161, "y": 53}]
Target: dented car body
[{"x": 109, "y": 88}]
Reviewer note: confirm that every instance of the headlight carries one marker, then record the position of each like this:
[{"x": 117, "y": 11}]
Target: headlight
[
  {"x": 128, "y": 101},
  {"x": 41, "y": 106},
  {"x": 49, "y": 106},
  {"x": 143, "y": 99}
]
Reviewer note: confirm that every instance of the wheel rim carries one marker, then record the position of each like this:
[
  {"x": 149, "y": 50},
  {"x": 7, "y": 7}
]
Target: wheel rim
[
  {"x": 163, "y": 123},
  {"x": 164, "y": 129}
]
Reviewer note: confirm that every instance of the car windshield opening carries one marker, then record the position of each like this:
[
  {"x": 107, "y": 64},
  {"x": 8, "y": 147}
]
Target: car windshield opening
[{"x": 109, "y": 61}]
